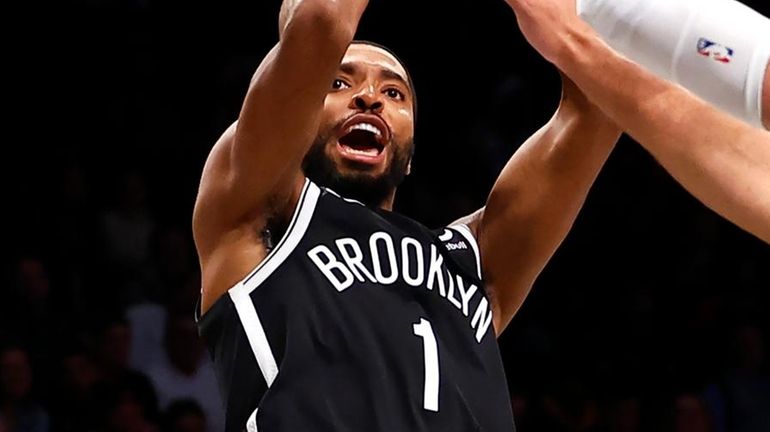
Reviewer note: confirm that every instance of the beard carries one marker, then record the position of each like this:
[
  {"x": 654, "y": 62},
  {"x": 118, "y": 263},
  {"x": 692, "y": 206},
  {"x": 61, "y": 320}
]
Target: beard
[{"x": 372, "y": 190}]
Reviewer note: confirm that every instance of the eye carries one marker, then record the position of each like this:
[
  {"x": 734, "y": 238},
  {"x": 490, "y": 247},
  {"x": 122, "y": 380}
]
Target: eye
[
  {"x": 395, "y": 94},
  {"x": 339, "y": 84}
]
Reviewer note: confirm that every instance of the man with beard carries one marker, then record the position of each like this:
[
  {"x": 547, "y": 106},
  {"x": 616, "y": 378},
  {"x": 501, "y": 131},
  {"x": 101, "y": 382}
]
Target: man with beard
[{"x": 323, "y": 309}]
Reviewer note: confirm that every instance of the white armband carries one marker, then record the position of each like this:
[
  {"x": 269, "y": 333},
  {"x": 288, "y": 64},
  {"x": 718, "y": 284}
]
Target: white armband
[{"x": 718, "y": 49}]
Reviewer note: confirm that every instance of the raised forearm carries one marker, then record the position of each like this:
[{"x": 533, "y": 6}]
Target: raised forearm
[
  {"x": 281, "y": 112},
  {"x": 342, "y": 14},
  {"x": 722, "y": 161},
  {"x": 717, "y": 49},
  {"x": 254, "y": 169},
  {"x": 537, "y": 198}
]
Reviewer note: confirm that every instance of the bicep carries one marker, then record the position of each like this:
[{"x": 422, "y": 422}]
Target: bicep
[{"x": 219, "y": 203}]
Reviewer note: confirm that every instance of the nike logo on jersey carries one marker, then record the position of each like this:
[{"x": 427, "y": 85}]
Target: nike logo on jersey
[
  {"x": 446, "y": 236},
  {"x": 384, "y": 261}
]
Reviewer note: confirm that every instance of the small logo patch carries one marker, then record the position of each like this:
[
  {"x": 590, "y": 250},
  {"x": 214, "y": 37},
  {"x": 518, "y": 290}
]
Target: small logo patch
[
  {"x": 456, "y": 246},
  {"x": 718, "y": 52}
]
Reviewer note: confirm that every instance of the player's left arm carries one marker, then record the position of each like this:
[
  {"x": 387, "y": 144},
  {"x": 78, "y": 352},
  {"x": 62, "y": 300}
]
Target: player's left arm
[{"x": 536, "y": 199}]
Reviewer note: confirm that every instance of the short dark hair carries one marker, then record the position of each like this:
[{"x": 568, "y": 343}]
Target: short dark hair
[{"x": 409, "y": 79}]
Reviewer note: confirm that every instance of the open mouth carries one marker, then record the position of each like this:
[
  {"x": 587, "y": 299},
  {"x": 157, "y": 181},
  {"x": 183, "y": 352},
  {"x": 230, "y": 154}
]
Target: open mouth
[{"x": 364, "y": 139}]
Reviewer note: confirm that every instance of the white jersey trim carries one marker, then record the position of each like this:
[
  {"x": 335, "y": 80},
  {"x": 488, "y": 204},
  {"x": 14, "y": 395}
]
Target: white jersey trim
[
  {"x": 466, "y": 232},
  {"x": 240, "y": 294},
  {"x": 251, "y": 424}
]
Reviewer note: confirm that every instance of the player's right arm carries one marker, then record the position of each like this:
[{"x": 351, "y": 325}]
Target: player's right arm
[
  {"x": 253, "y": 173},
  {"x": 722, "y": 161}
]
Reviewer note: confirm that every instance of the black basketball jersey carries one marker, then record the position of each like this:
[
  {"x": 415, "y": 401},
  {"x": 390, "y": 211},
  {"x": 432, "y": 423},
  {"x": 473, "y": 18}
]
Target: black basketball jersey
[{"x": 359, "y": 319}]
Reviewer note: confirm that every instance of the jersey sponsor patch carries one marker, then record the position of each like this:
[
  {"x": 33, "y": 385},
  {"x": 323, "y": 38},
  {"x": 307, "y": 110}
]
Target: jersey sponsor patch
[
  {"x": 714, "y": 50},
  {"x": 461, "y": 245}
]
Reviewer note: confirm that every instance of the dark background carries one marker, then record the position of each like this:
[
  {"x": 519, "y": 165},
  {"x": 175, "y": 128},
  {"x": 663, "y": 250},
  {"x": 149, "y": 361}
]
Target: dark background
[{"x": 653, "y": 315}]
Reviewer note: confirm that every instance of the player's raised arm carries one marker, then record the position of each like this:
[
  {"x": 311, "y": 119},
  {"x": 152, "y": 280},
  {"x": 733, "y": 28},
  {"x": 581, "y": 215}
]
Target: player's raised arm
[
  {"x": 718, "y": 49},
  {"x": 537, "y": 197},
  {"x": 722, "y": 161},
  {"x": 254, "y": 171}
]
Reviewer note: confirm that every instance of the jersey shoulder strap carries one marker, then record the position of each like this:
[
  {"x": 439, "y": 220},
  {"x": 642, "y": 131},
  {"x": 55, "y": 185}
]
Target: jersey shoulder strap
[{"x": 461, "y": 244}]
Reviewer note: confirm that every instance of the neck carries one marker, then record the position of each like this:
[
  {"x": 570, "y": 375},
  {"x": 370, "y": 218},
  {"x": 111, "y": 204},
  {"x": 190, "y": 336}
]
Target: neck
[{"x": 387, "y": 203}]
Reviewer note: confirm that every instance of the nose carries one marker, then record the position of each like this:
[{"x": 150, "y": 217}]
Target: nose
[{"x": 367, "y": 100}]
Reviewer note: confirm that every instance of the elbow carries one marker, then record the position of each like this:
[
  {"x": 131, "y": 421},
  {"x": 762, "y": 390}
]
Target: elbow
[{"x": 326, "y": 22}]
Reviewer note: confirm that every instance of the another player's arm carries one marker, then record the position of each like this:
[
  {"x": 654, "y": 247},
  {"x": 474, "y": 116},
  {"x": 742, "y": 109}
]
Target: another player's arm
[
  {"x": 765, "y": 102},
  {"x": 652, "y": 34},
  {"x": 254, "y": 170},
  {"x": 722, "y": 161},
  {"x": 536, "y": 199}
]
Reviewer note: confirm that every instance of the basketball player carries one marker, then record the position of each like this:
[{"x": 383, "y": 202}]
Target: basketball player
[
  {"x": 724, "y": 162},
  {"x": 325, "y": 311}
]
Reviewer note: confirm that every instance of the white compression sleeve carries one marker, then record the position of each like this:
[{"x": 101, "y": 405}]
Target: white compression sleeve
[{"x": 718, "y": 49}]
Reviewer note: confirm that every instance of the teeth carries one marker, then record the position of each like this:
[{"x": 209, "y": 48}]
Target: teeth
[
  {"x": 367, "y": 127},
  {"x": 368, "y": 152}
]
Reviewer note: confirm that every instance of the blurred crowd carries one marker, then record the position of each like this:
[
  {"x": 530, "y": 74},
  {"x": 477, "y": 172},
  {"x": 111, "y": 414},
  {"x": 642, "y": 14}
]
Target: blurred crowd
[
  {"x": 653, "y": 316},
  {"x": 97, "y": 329}
]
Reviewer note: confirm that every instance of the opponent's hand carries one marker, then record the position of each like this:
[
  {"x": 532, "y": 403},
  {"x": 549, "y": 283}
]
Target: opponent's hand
[{"x": 547, "y": 24}]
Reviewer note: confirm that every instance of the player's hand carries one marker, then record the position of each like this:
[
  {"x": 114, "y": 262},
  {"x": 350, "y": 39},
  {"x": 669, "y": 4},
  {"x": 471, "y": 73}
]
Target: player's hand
[{"x": 547, "y": 24}]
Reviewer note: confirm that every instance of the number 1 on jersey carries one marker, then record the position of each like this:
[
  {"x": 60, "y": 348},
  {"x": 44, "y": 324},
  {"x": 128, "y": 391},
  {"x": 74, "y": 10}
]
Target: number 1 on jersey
[{"x": 424, "y": 330}]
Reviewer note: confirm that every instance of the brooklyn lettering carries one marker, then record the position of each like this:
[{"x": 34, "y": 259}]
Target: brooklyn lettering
[{"x": 384, "y": 261}]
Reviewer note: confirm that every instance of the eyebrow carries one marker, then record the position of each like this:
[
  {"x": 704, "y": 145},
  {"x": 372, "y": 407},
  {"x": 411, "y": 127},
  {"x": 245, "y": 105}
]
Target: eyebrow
[
  {"x": 385, "y": 73},
  {"x": 392, "y": 75}
]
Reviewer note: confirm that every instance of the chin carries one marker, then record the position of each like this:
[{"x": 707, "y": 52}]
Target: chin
[
  {"x": 354, "y": 170},
  {"x": 370, "y": 182}
]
